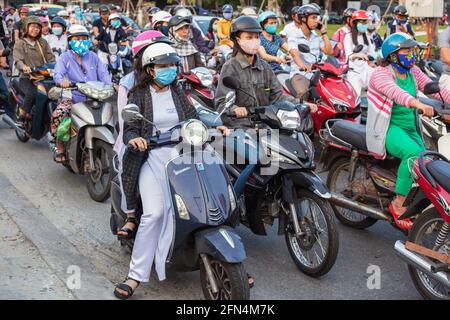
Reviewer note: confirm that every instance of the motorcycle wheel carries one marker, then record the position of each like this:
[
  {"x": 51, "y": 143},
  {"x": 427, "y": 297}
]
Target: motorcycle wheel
[
  {"x": 320, "y": 241},
  {"x": 22, "y": 137},
  {"x": 231, "y": 279},
  {"x": 99, "y": 181},
  {"x": 348, "y": 217},
  {"x": 113, "y": 222},
  {"x": 424, "y": 232}
]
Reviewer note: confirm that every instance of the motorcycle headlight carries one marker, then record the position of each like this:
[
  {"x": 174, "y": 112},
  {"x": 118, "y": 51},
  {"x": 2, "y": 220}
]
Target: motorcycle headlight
[
  {"x": 194, "y": 132},
  {"x": 232, "y": 198},
  {"x": 289, "y": 119},
  {"x": 181, "y": 207},
  {"x": 340, "y": 106}
]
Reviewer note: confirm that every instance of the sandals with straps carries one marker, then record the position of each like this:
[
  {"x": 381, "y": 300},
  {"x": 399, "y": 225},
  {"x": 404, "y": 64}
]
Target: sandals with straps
[
  {"x": 130, "y": 233},
  {"x": 405, "y": 224},
  {"x": 125, "y": 287}
]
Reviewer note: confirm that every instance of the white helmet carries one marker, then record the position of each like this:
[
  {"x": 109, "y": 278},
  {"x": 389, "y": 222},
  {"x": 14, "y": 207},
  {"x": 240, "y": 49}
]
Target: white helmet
[
  {"x": 183, "y": 12},
  {"x": 160, "y": 16},
  {"x": 113, "y": 16},
  {"x": 159, "y": 53},
  {"x": 249, "y": 12},
  {"x": 77, "y": 30},
  {"x": 63, "y": 13}
]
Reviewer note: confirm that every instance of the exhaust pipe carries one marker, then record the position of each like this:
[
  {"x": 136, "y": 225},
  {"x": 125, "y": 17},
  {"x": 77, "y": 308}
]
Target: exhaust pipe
[
  {"x": 420, "y": 263},
  {"x": 10, "y": 122},
  {"x": 344, "y": 202}
]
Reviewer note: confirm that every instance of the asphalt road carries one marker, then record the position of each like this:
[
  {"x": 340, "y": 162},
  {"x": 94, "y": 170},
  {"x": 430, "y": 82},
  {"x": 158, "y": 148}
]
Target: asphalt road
[{"x": 50, "y": 227}]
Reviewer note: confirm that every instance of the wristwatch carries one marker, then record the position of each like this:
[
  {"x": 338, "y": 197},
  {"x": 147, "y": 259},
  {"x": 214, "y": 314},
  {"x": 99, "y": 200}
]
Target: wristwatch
[{"x": 323, "y": 33}]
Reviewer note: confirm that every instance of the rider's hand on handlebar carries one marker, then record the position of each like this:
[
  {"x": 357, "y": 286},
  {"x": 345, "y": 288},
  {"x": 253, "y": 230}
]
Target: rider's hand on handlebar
[
  {"x": 312, "y": 107},
  {"x": 427, "y": 110},
  {"x": 138, "y": 144},
  {"x": 26, "y": 69},
  {"x": 224, "y": 130},
  {"x": 281, "y": 60},
  {"x": 241, "y": 112},
  {"x": 65, "y": 83}
]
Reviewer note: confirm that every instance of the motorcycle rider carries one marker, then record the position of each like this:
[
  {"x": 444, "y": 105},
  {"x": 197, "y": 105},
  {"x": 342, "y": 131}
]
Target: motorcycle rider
[
  {"x": 339, "y": 35},
  {"x": 392, "y": 125},
  {"x": 45, "y": 29},
  {"x": 223, "y": 30},
  {"x": 30, "y": 52},
  {"x": 360, "y": 66},
  {"x": 101, "y": 23},
  {"x": 150, "y": 13},
  {"x": 58, "y": 39},
  {"x": 66, "y": 16},
  {"x": 271, "y": 43},
  {"x": 18, "y": 26},
  {"x": 142, "y": 41},
  {"x": 161, "y": 22},
  {"x": 165, "y": 105},
  {"x": 75, "y": 65},
  {"x": 114, "y": 33},
  {"x": 400, "y": 22},
  {"x": 309, "y": 18},
  {"x": 291, "y": 28},
  {"x": 179, "y": 34},
  {"x": 255, "y": 75}
]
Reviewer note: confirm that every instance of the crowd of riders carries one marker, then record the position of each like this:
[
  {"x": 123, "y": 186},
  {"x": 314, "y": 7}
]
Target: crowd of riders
[{"x": 255, "y": 49}]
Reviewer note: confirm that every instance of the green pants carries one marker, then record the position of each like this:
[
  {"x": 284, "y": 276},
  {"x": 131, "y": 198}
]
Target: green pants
[{"x": 405, "y": 145}]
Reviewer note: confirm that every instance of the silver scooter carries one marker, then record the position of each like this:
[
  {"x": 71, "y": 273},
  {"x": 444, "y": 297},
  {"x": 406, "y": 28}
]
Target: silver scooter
[{"x": 89, "y": 149}]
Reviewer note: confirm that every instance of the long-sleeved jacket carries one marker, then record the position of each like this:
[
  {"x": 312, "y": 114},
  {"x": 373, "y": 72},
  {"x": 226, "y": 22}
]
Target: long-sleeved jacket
[
  {"x": 105, "y": 38},
  {"x": 223, "y": 32},
  {"x": 26, "y": 54},
  {"x": 258, "y": 80},
  {"x": 382, "y": 93},
  {"x": 133, "y": 160}
]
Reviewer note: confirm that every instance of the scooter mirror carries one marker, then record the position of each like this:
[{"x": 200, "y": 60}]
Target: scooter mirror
[
  {"x": 303, "y": 48},
  {"x": 431, "y": 88},
  {"x": 131, "y": 112},
  {"x": 358, "y": 48}
]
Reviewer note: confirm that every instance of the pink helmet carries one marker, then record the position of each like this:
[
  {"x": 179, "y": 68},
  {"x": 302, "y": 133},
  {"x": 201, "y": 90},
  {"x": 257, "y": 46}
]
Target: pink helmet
[
  {"x": 147, "y": 38},
  {"x": 43, "y": 20}
]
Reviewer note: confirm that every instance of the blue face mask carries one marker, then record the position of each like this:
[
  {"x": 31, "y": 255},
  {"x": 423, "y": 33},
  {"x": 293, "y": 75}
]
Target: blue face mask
[
  {"x": 403, "y": 62},
  {"x": 271, "y": 28},
  {"x": 166, "y": 76},
  {"x": 57, "y": 31},
  {"x": 115, "y": 24},
  {"x": 164, "y": 30},
  {"x": 81, "y": 47},
  {"x": 362, "y": 28}
]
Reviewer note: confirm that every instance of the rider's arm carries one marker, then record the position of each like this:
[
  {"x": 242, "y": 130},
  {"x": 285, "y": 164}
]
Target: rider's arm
[
  {"x": 348, "y": 45},
  {"x": 327, "y": 48},
  {"x": 16, "y": 35},
  {"x": 265, "y": 56},
  {"x": 18, "y": 56},
  {"x": 422, "y": 79},
  {"x": 60, "y": 71},
  {"x": 297, "y": 58},
  {"x": 276, "y": 91}
]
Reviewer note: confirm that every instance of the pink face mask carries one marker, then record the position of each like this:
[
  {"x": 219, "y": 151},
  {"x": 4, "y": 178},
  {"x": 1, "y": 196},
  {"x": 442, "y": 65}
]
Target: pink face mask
[{"x": 250, "y": 46}]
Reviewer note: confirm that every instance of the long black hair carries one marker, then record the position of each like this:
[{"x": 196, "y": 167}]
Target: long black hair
[
  {"x": 355, "y": 34},
  {"x": 211, "y": 23},
  {"x": 142, "y": 79}
]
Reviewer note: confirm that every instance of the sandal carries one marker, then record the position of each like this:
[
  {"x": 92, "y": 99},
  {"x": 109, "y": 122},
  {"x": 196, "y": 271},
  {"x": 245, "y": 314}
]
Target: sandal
[
  {"x": 251, "y": 281},
  {"x": 129, "y": 232},
  {"x": 404, "y": 224},
  {"x": 125, "y": 287},
  {"x": 59, "y": 157}
]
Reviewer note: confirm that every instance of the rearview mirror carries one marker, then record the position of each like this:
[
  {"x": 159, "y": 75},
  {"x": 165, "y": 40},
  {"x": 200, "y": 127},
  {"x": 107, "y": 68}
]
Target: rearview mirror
[
  {"x": 431, "y": 88},
  {"x": 131, "y": 112},
  {"x": 303, "y": 48},
  {"x": 358, "y": 48}
]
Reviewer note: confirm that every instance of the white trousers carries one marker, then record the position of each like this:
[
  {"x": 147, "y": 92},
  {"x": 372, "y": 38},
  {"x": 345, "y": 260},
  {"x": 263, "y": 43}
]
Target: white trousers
[{"x": 359, "y": 77}]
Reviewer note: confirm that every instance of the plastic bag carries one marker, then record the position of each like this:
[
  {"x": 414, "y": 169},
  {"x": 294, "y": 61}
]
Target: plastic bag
[{"x": 63, "y": 131}]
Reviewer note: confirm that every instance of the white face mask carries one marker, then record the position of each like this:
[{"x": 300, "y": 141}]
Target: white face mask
[{"x": 250, "y": 47}]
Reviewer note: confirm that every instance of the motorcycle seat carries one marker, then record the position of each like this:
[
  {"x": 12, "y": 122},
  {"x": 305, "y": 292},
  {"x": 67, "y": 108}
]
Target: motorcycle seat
[
  {"x": 440, "y": 171},
  {"x": 350, "y": 132},
  {"x": 15, "y": 84}
]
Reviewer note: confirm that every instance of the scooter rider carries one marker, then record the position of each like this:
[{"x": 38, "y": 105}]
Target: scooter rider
[
  {"x": 339, "y": 35},
  {"x": 114, "y": 33},
  {"x": 58, "y": 38},
  {"x": 255, "y": 75},
  {"x": 101, "y": 23},
  {"x": 309, "y": 17},
  {"x": 161, "y": 22},
  {"x": 30, "y": 52},
  {"x": 74, "y": 66},
  {"x": 392, "y": 124},
  {"x": 150, "y": 13},
  {"x": 400, "y": 22},
  {"x": 162, "y": 102}
]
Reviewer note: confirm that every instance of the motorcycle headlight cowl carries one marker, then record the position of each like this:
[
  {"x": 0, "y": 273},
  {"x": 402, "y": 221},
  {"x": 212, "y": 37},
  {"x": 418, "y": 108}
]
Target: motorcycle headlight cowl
[
  {"x": 195, "y": 133},
  {"x": 232, "y": 198},
  {"x": 181, "y": 207},
  {"x": 289, "y": 119}
]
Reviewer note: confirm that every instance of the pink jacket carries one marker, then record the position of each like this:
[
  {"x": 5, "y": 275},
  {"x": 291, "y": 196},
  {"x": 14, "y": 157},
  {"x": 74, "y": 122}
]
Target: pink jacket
[{"x": 382, "y": 93}]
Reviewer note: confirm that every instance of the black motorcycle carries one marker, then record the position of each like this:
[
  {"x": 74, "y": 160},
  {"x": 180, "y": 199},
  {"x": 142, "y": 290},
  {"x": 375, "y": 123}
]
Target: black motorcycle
[
  {"x": 205, "y": 211},
  {"x": 272, "y": 169}
]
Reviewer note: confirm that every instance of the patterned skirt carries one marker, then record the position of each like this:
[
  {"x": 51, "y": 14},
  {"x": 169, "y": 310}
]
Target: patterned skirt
[{"x": 61, "y": 112}]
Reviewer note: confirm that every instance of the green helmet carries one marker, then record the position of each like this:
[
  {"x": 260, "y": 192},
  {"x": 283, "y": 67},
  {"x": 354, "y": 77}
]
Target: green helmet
[{"x": 30, "y": 20}]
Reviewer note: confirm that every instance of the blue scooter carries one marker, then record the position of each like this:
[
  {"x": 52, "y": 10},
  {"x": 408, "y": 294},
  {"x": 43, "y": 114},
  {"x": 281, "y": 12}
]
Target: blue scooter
[{"x": 205, "y": 211}]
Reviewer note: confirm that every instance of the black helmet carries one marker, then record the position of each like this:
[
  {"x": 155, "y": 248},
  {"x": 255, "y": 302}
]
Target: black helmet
[
  {"x": 60, "y": 21},
  {"x": 308, "y": 10},
  {"x": 177, "y": 20},
  {"x": 244, "y": 24},
  {"x": 294, "y": 10},
  {"x": 401, "y": 10},
  {"x": 103, "y": 8},
  {"x": 348, "y": 12},
  {"x": 228, "y": 8}
]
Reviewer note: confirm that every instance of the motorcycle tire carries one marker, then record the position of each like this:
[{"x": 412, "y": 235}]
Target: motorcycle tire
[
  {"x": 104, "y": 192},
  {"x": 232, "y": 281},
  {"x": 422, "y": 225},
  {"x": 22, "y": 137},
  {"x": 335, "y": 170},
  {"x": 295, "y": 245}
]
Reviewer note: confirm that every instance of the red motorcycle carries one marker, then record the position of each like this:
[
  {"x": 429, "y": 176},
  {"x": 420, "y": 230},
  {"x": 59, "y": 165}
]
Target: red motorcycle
[
  {"x": 333, "y": 94},
  {"x": 427, "y": 251},
  {"x": 198, "y": 84}
]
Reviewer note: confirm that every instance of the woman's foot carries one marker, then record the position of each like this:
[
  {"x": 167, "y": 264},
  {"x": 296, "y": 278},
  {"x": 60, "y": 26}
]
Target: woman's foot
[
  {"x": 397, "y": 209},
  {"x": 127, "y": 230},
  {"x": 24, "y": 115},
  {"x": 251, "y": 281},
  {"x": 59, "y": 154},
  {"x": 126, "y": 289}
]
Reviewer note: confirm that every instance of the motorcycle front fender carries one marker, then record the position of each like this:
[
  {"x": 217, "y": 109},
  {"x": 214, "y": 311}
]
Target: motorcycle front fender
[
  {"x": 305, "y": 180},
  {"x": 221, "y": 243},
  {"x": 100, "y": 133}
]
